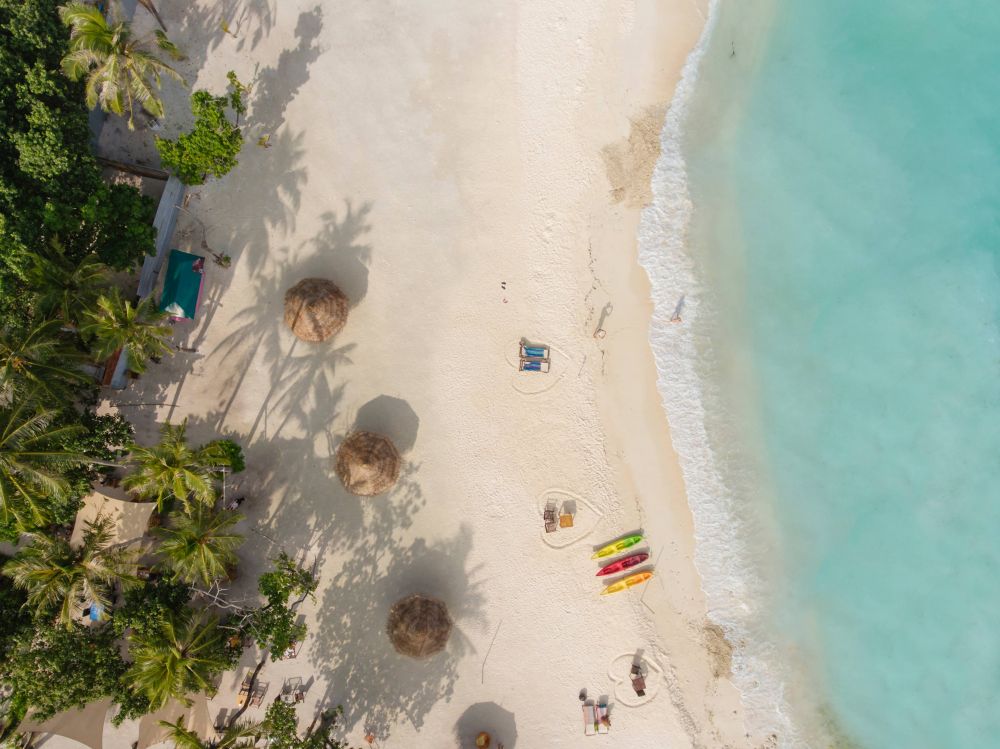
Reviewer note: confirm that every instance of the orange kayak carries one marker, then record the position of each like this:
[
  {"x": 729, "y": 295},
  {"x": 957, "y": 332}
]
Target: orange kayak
[{"x": 627, "y": 582}]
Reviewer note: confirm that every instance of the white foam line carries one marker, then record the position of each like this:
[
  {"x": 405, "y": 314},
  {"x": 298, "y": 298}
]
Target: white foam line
[{"x": 728, "y": 579}]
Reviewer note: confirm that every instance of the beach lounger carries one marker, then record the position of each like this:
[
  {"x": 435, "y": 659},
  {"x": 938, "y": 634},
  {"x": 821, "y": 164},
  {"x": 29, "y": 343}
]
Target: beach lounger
[
  {"x": 638, "y": 681},
  {"x": 534, "y": 365},
  {"x": 257, "y": 697},
  {"x": 603, "y": 719},
  {"x": 589, "y": 720},
  {"x": 534, "y": 351},
  {"x": 550, "y": 517}
]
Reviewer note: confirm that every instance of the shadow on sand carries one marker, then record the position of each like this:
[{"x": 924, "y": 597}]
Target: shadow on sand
[{"x": 490, "y": 718}]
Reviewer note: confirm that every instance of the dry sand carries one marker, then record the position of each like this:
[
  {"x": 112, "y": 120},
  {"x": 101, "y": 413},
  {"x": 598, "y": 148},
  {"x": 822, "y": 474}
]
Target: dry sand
[{"x": 469, "y": 173}]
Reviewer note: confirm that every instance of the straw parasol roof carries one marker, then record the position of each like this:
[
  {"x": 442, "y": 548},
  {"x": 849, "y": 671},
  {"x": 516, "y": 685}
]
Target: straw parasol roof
[
  {"x": 367, "y": 464},
  {"x": 315, "y": 309},
  {"x": 419, "y": 626}
]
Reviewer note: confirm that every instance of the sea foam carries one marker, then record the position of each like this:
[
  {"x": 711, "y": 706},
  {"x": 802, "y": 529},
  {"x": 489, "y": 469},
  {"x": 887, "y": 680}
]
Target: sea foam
[{"x": 684, "y": 357}]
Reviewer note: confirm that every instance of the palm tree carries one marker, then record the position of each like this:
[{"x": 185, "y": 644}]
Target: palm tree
[
  {"x": 172, "y": 468},
  {"x": 181, "y": 655},
  {"x": 138, "y": 330},
  {"x": 59, "y": 578},
  {"x": 29, "y": 462},
  {"x": 39, "y": 361},
  {"x": 122, "y": 72},
  {"x": 199, "y": 546},
  {"x": 64, "y": 289},
  {"x": 242, "y": 735}
]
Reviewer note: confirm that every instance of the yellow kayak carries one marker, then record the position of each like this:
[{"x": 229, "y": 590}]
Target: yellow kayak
[
  {"x": 627, "y": 582},
  {"x": 617, "y": 546}
]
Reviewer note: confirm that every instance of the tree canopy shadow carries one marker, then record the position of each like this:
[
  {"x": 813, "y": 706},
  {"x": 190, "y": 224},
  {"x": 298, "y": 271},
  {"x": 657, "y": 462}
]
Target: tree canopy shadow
[
  {"x": 377, "y": 686},
  {"x": 341, "y": 255},
  {"x": 275, "y": 87},
  {"x": 392, "y": 417}
]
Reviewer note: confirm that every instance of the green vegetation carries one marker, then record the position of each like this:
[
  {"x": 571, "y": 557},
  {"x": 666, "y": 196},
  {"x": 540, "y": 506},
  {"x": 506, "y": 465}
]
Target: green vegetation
[
  {"x": 137, "y": 329},
  {"x": 172, "y": 470},
  {"x": 53, "y": 668},
  {"x": 30, "y": 458},
  {"x": 183, "y": 654},
  {"x": 241, "y": 735},
  {"x": 199, "y": 546},
  {"x": 123, "y": 73},
  {"x": 39, "y": 360},
  {"x": 50, "y": 183},
  {"x": 280, "y": 729},
  {"x": 211, "y": 148},
  {"x": 64, "y": 233},
  {"x": 63, "y": 580},
  {"x": 273, "y": 626},
  {"x": 146, "y": 607}
]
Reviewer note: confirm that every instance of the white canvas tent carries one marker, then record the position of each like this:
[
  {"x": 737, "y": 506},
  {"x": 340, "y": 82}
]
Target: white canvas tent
[
  {"x": 85, "y": 725},
  {"x": 130, "y": 519}
]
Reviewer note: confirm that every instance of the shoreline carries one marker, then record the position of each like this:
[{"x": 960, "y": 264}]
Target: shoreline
[{"x": 640, "y": 448}]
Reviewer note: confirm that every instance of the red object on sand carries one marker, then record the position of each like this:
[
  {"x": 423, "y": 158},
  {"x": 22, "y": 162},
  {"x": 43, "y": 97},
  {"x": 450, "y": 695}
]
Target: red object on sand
[{"x": 623, "y": 564}]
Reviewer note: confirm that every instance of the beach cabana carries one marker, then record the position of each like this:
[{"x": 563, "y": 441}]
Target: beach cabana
[
  {"x": 367, "y": 464},
  {"x": 419, "y": 626},
  {"x": 129, "y": 519},
  {"x": 182, "y": 285},
  {"x": 315, "y": 309},
  {"x": 85, "y": 724}
]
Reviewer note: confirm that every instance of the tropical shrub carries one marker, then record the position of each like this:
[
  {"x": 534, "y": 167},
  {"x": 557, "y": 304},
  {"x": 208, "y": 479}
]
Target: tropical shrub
[
  {"x": 50, "y": 183},
  {"x": 53, "y": 668},
  {"x": 273, "y": 626},
  {"x": 211, "y": 148},
  {"x": 280, "y": 729},
  {"x": 232, "y": 452}
]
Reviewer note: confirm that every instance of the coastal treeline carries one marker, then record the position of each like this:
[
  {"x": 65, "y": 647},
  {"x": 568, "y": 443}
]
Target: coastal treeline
[{"x": 84, "y": 614}]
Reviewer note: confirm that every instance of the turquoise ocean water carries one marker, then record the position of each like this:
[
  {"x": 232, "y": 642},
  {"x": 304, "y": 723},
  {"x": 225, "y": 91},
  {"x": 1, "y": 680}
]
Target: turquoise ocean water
[{"x": 828, "y": 207}]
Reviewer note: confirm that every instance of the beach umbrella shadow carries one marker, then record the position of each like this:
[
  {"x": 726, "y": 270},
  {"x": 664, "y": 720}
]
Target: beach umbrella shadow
[{"x": 487, "y": 717}]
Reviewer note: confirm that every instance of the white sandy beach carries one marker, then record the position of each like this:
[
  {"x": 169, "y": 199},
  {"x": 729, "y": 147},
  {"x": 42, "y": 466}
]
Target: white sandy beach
[{"x": 469, "y": 173}]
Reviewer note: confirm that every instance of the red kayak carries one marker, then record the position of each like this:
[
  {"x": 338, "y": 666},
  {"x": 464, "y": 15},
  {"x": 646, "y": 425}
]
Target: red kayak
[{"x": 623, "y": 564}]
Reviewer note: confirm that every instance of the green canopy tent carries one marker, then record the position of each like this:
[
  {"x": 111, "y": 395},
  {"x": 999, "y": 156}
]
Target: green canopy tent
[{"x": 182, "y": 284}]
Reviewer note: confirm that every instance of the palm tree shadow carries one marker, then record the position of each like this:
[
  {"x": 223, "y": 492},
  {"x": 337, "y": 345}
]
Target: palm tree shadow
[
  {"x": 377, "y": 686},
  {"x": 341, "y": 254}
]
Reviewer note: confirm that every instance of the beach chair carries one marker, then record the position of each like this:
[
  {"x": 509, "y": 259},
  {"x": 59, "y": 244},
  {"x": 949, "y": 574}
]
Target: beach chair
[
  {"x": 244, "y": 695},
  {"x": 534, "y": 365},
  {"x": 534, "y": 351},
  {"x": 257, "y": 697},
  {"x": 638, "y": 680},
  {"x": 603, "y": 719},
  {"x": 549, "y": 515},
  {"x": 589, "y": 720}
]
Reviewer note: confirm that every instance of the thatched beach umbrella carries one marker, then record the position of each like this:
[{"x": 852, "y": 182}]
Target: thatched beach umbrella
[
  {"x": 315, "y": 309},
  {"x": 367, "y": 464},
  {"x": 419, "y": 626}
]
